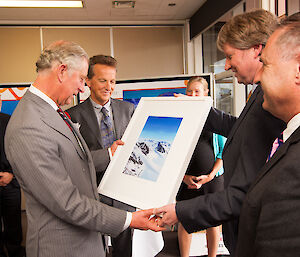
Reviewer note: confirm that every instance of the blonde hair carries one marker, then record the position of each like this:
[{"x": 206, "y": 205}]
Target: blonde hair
[
  {"x": 246, "y": 30},
  {"x": 197, "y": 79}
]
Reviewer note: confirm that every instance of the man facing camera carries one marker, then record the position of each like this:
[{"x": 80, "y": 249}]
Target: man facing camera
[
  {"x": 103, "y": 121},
  {"x": 55, "y": 168},
  {"x": 269, "y": 222}
]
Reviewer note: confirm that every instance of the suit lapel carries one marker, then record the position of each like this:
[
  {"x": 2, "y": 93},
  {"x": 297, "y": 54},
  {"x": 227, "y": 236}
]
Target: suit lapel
[
  {"x": 53, "y": 120},
  {"x": 91, "y": 120},
  {"x": 250, "y": 102},
  {"x": 90, "y": 161},
  {"x": 117, "y": 117},
  {"x": 278, "y": 155},
  {"x": 50, "y": 117}
]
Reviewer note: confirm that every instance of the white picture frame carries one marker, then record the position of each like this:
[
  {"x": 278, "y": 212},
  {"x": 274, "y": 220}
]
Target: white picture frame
[{"x": 189, "y": 115}]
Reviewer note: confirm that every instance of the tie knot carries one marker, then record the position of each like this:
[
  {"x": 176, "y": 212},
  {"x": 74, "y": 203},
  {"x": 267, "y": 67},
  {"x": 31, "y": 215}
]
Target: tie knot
[
  {"x": 63, "y": 114},
  {"x": 104, "y": 111}
]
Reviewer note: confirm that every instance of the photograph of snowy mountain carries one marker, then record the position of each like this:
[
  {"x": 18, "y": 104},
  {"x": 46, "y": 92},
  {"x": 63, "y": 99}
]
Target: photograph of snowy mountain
[{"x": 152, "y": 147}]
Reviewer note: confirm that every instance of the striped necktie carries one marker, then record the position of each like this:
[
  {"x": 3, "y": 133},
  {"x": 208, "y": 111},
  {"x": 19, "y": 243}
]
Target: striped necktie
[
  {"x": 276, "y": 144},
  {"x": 66, "y": 117},
  {"x": 106, "y": 129}
]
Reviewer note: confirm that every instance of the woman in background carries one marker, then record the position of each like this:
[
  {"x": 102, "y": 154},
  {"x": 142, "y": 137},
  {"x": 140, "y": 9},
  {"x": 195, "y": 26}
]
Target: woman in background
[{"x": 204, "y": 174}]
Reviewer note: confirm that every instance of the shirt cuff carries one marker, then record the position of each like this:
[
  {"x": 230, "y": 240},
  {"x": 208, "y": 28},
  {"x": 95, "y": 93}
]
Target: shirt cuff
[
  {"x": 110, "y": 154},
  {"x": 128, "y": 220}
]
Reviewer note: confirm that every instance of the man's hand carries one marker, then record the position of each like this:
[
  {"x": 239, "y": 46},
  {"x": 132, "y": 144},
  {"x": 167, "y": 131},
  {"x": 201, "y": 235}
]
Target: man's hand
[
  {"x": 169, "y": 215},
  {"x": 115, "y": 145},
  {"x": 5, "y": 178},
  {"x": 142, "y": 220},
  {"x": 192, "y": 182}
]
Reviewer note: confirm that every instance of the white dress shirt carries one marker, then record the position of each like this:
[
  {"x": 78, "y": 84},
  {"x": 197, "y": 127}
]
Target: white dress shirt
[{"x": 292, "y": 125}]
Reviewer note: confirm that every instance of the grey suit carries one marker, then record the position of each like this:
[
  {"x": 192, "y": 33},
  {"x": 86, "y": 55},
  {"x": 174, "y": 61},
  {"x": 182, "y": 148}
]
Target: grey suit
[
  {"x": 58, "y": 179},
  {"x": 84, "y": 114}
]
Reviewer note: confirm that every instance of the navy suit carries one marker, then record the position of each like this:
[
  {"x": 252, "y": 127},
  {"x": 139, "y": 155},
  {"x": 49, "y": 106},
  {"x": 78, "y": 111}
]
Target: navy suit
[{"x": 249, "y": 140}]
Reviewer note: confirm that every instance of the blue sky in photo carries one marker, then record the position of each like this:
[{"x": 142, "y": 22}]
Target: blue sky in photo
[{"x": 161, "y": 128}]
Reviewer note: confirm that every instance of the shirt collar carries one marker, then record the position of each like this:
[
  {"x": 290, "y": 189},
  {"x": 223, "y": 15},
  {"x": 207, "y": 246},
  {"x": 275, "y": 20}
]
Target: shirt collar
[
  {"x": 292, "y": 125},
  {"x": 42, "y": 95},
  {"x": 99, "y": 106}
]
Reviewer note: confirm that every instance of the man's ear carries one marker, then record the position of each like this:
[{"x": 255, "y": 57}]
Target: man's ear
[
  {"x": 257, "y": 50},
  {"x": 61, "y": 71},
  {"x": 298, "y": 73}
]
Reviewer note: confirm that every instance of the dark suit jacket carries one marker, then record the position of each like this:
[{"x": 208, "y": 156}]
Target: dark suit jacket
[
  {"x": 4, "y": 164},
  {"x": 249, "y": 140},
  {"x": 89, "y": 128},
  {"x": 269, "y": 222}
]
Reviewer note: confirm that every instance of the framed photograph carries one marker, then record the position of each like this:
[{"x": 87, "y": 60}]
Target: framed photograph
[{"x": 159, "y": 141}]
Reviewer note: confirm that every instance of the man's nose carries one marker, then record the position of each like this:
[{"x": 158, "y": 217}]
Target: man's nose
[{"x": 227, "y": 64}]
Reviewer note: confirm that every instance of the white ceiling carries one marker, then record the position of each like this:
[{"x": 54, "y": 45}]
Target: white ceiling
[{"x": 101, "y": 12}]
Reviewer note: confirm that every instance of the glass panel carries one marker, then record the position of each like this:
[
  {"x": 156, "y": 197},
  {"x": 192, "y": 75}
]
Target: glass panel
[
  {"x": 211, "y": 54},
  {"x": 224, "y": 95}
]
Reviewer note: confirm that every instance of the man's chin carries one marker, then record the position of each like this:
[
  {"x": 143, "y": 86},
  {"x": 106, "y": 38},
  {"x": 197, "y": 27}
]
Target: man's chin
[{"x": 266, "y": 107}]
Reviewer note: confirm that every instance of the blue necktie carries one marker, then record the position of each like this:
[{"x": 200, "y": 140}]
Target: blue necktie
[{"x": 106, "y": 129}]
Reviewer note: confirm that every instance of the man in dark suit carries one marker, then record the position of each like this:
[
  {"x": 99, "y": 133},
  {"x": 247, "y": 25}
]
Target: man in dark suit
[
  {"x": 249, "y": 138},
  {"x": 55, "y": 168},
  {"x": 269, "y": 222},
  {"x": 101, "y": 81},
  {"x": 10, "y": 202}
]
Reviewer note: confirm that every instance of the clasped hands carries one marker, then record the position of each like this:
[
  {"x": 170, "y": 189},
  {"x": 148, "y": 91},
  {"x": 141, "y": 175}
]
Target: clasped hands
[
  {"x": 154, "y": 219},
  {"x": 5, "y": 178},
  {"x": 195, "y": 182}
]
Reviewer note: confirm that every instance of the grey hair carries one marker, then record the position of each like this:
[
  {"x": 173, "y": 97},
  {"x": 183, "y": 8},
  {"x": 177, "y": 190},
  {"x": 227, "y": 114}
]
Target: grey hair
[
  {"x": 61, "y": 52},
  {"x": 288, "y": 42}
]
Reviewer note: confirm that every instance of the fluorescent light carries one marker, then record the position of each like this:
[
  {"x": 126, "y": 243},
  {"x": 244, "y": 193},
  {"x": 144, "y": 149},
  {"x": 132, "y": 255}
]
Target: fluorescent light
[
  {"x": 123, "y": 4},
  {"x": 42, "y": 4}
]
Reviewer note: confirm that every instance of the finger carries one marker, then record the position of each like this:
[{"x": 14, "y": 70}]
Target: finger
[
  {"x": 148, "y": 212},
  {"x": 159, "y": 210},
  {"x": 161, "y": 223},
  {"x": 119, "y": 142}
]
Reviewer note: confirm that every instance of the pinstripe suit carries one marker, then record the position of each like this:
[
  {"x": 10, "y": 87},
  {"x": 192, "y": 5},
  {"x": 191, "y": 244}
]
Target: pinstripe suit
[
  {"x": 84, "y": 114},
  {"x": 58, "y": 179}
]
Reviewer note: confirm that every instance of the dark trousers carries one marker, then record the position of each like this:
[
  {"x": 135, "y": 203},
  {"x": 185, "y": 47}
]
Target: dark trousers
[
  {"x": 122, "y": 244},
  {"x": 10, "y": 220}
]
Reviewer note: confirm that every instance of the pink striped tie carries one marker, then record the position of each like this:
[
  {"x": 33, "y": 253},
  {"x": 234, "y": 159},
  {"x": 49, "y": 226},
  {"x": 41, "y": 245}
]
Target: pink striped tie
[{"x": 276, "y": 144}]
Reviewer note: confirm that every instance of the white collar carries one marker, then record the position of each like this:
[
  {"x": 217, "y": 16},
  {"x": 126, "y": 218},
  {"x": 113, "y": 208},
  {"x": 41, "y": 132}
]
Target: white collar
[
  {"x": 292, "y": 125},
  {"x": 42, "y": 95}
]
